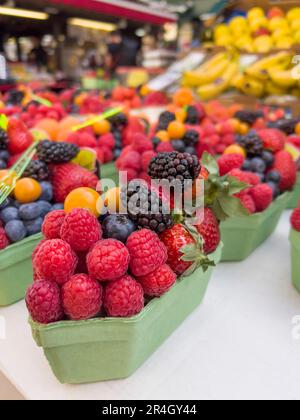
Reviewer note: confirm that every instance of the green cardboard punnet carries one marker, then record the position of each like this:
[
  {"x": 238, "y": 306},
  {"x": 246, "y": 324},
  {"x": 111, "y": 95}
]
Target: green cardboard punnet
[
  {"x": 242, "y": 235},
  {"x": 16, "y": 270},
  {"x": 295, "y": 195},
  {"x": 295, "y": 254},
  {"x": 114, "y": 348}
]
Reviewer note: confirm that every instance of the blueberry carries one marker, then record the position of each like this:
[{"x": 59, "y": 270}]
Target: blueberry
[
  {"x": 179, "y": 145},
  {"x": 45, "y": 207},
  {"x": 191, "y": 150},
  {"x": 275, "y": 189},
  {"x": 117, "y": 153},
  {"x": 8, "y": 214},
  {"x": 4, "y": 155},
  {"x": 16, "y": 204},
  {"x": 260, "y": 176},
  {"x": 15, "y": 230},
  {"x": 273, "y": 176},
  {"x": 57, "y": 206},
  {"x": 247, "y": 165},
  {"x": 268, "y": 157},
  {"x": 30, "y": 211},
  {"x": 34, "y": 226},
  {"x": 3, "y": 164},
  {"x": 118, "y": 226},
  {"x": 258, "y": 165},
  {"x": 47, "y": 191}
]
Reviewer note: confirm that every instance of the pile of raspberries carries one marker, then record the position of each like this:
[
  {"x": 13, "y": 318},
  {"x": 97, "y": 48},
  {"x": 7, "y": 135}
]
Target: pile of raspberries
[{"x": 78, "y": 275}]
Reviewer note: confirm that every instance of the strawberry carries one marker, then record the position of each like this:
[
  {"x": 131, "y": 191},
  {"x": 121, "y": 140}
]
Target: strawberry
[
  {"x": 19, "y": 136},
  {"x": 295, "y": 219},
  {"x": 248, "y": 202},
  {"x": 209, "y": 229},
  {"x": 262, "y": 195},
  {"x": 69, "y": 176},
  {"x": 228, "y": 162},
  {"x": 272, "y": 139},
  {"x": 285, "y": 165},
  {"x": 175, "y": 239}
]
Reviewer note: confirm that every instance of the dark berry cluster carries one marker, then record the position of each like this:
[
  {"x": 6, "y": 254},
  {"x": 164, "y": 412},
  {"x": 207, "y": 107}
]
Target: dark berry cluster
[
  {"x": 252, "y": 143},
  {"x": 37, "y": 170},
  {"x": 248, "y": 117},
  {"x": 165, "y": 119},
  {"x": 56, "y": 152}
]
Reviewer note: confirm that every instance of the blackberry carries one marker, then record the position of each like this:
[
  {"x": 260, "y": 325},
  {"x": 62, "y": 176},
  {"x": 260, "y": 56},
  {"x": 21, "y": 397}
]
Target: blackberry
[
  {"x": 288, "y": 126},
  {"x": 174, "y": 165},
  {"x": 15, "y": 97},
  {"x": 251, "y": 143},
  {"x": 37, "y": 170},
  {"x": 248, "y": 117},
  {"x": 3, "y": 139},
  {"x": 145, "y": 208},
  {"x": 193, "y": 116},
  {"x": 164, "y": 120},
  {"x": 191, "y": 138},
  {"x": 119, "y": 120},
  {"x": 56, "y": 152}
]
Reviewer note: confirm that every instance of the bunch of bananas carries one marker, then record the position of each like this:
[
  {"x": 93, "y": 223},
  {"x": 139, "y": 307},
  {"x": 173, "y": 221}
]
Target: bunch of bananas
[
  {"x": 213, "y": 77},
  {"x": 273, "y": 75}
]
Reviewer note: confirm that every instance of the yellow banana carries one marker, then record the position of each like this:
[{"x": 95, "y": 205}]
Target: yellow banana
[
  {"x": 253, "y": 87},
  {"x": 273, "y": 89},
  {"x": 216, "y": 88},
  {"x": 195, "y": 79},
  {"x": 238, "y": 81},
  {"x": 283, "y": 79},
  {"x": 259, "y": 70}
]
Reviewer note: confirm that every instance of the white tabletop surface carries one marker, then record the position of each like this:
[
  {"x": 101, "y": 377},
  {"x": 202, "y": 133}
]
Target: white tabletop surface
[{"x": 237, "y": 345}]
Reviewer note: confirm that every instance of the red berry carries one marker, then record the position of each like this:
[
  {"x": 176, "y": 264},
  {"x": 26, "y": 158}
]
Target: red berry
[
  {"x": 272, "y": 139},
  {"x": 141, "y": 144},
  {"x": 81, "y": 297},
  {"x": 262, "y": 195},
  {"x": 209, "y": 229},
  {"x": 108, "y": 260},
  {"x": 165, "y": 147},
  {"x": 123, "y": 297},
  {"x": 295, "y": 219},
  {"x": 285, "y": 165},
  {"x": 131, "y": 160},
  {"x": 158, "y": 282},
  {"x": 86, "y": 140},
  {"x": 175, "y": 239},
  {"x": 19, "y": 136},
  {"x": 4, "y": 241},
  {"x": 146, "y": 159},
  {"x": 146, "y": 251},
  {"x": 228, "y": 162},
  {"x": 36, "y": 249},
  {"x": 43, "y": 301},
  {"x": 248, "y": 202},
  {"x": 107, "y": 140},
  {"x": 52, "y": 224},
  {"x": 247, "y": 177},
  {"x": 81, "y": 229},
  {"x": 55, "y": 261}
]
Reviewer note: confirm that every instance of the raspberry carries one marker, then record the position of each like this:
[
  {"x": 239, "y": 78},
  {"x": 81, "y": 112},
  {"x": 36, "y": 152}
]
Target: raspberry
[
  {"x": 81, "y": 229},
  {"x": 146, "y": 159},
  {"x": 86, "y": 140},
  {"x": 141, "y": 144},
  {"x": 43, "y": 301},
  {"x": 131, "y": 160},
  {"x": 248, "y": 202},
  {"x": 228, "y": 162},
  {"x": 4, "y": 241},
  {"x": 262, "y": 196},
  {"x": 55, "y": 261},
  {"x": 295, "y": 219},
  {"x": 52, "y": 224},
  {"x": 81, "y": 297},
  {"x": 273, "y": 139},
  {"x": 108, "y": 260},
  {"x": 165, "y": 147},
  {"x": 147, "y": 252},
  {"x": 285, "y": 165},
  {"x": 123, "y": 297},
  {"x": 37, "y": 248},
  {"x": 107, "y": 140},
  {"x": 244, "y": 176},
  {"x": 108, "y": 154},
  {"x": 158, "y": 282}
]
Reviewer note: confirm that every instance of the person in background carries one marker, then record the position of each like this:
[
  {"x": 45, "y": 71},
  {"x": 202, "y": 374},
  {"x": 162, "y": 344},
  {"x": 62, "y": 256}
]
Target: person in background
[{"x": 114, "y": 46}]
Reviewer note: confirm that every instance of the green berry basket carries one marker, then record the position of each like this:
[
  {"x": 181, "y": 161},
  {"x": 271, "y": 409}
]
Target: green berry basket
[
  {"x": 295, "y": 254},
  {"x": 16, "y": 269},
  {"x": 109, "y": 171},
  {"x": 114, "y": 348},
  {"x": 242, "y": 235},
  {"x": 295, "y": 196}
]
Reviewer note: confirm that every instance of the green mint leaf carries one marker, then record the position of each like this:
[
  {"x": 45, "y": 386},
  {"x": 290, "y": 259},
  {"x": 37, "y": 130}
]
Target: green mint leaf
[
  {"x": 232, "y": 206},
  {"x": 235, "y": 186},
  {"x": 210, "y": 163}
]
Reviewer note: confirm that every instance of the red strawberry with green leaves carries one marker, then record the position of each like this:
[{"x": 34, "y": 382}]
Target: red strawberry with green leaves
[
  {"x": 209, "y": 229},
  {"x": 19, "y": 136},
  {"x": 68, "y": 177},
  {"x": 286, "y": 166}
]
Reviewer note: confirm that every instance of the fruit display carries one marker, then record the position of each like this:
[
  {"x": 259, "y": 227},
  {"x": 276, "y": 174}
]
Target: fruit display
[
  {"x": 116, "y": 266},
  {"x": 260, "y": 32},
  {"x": 274, "y": 74}
]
